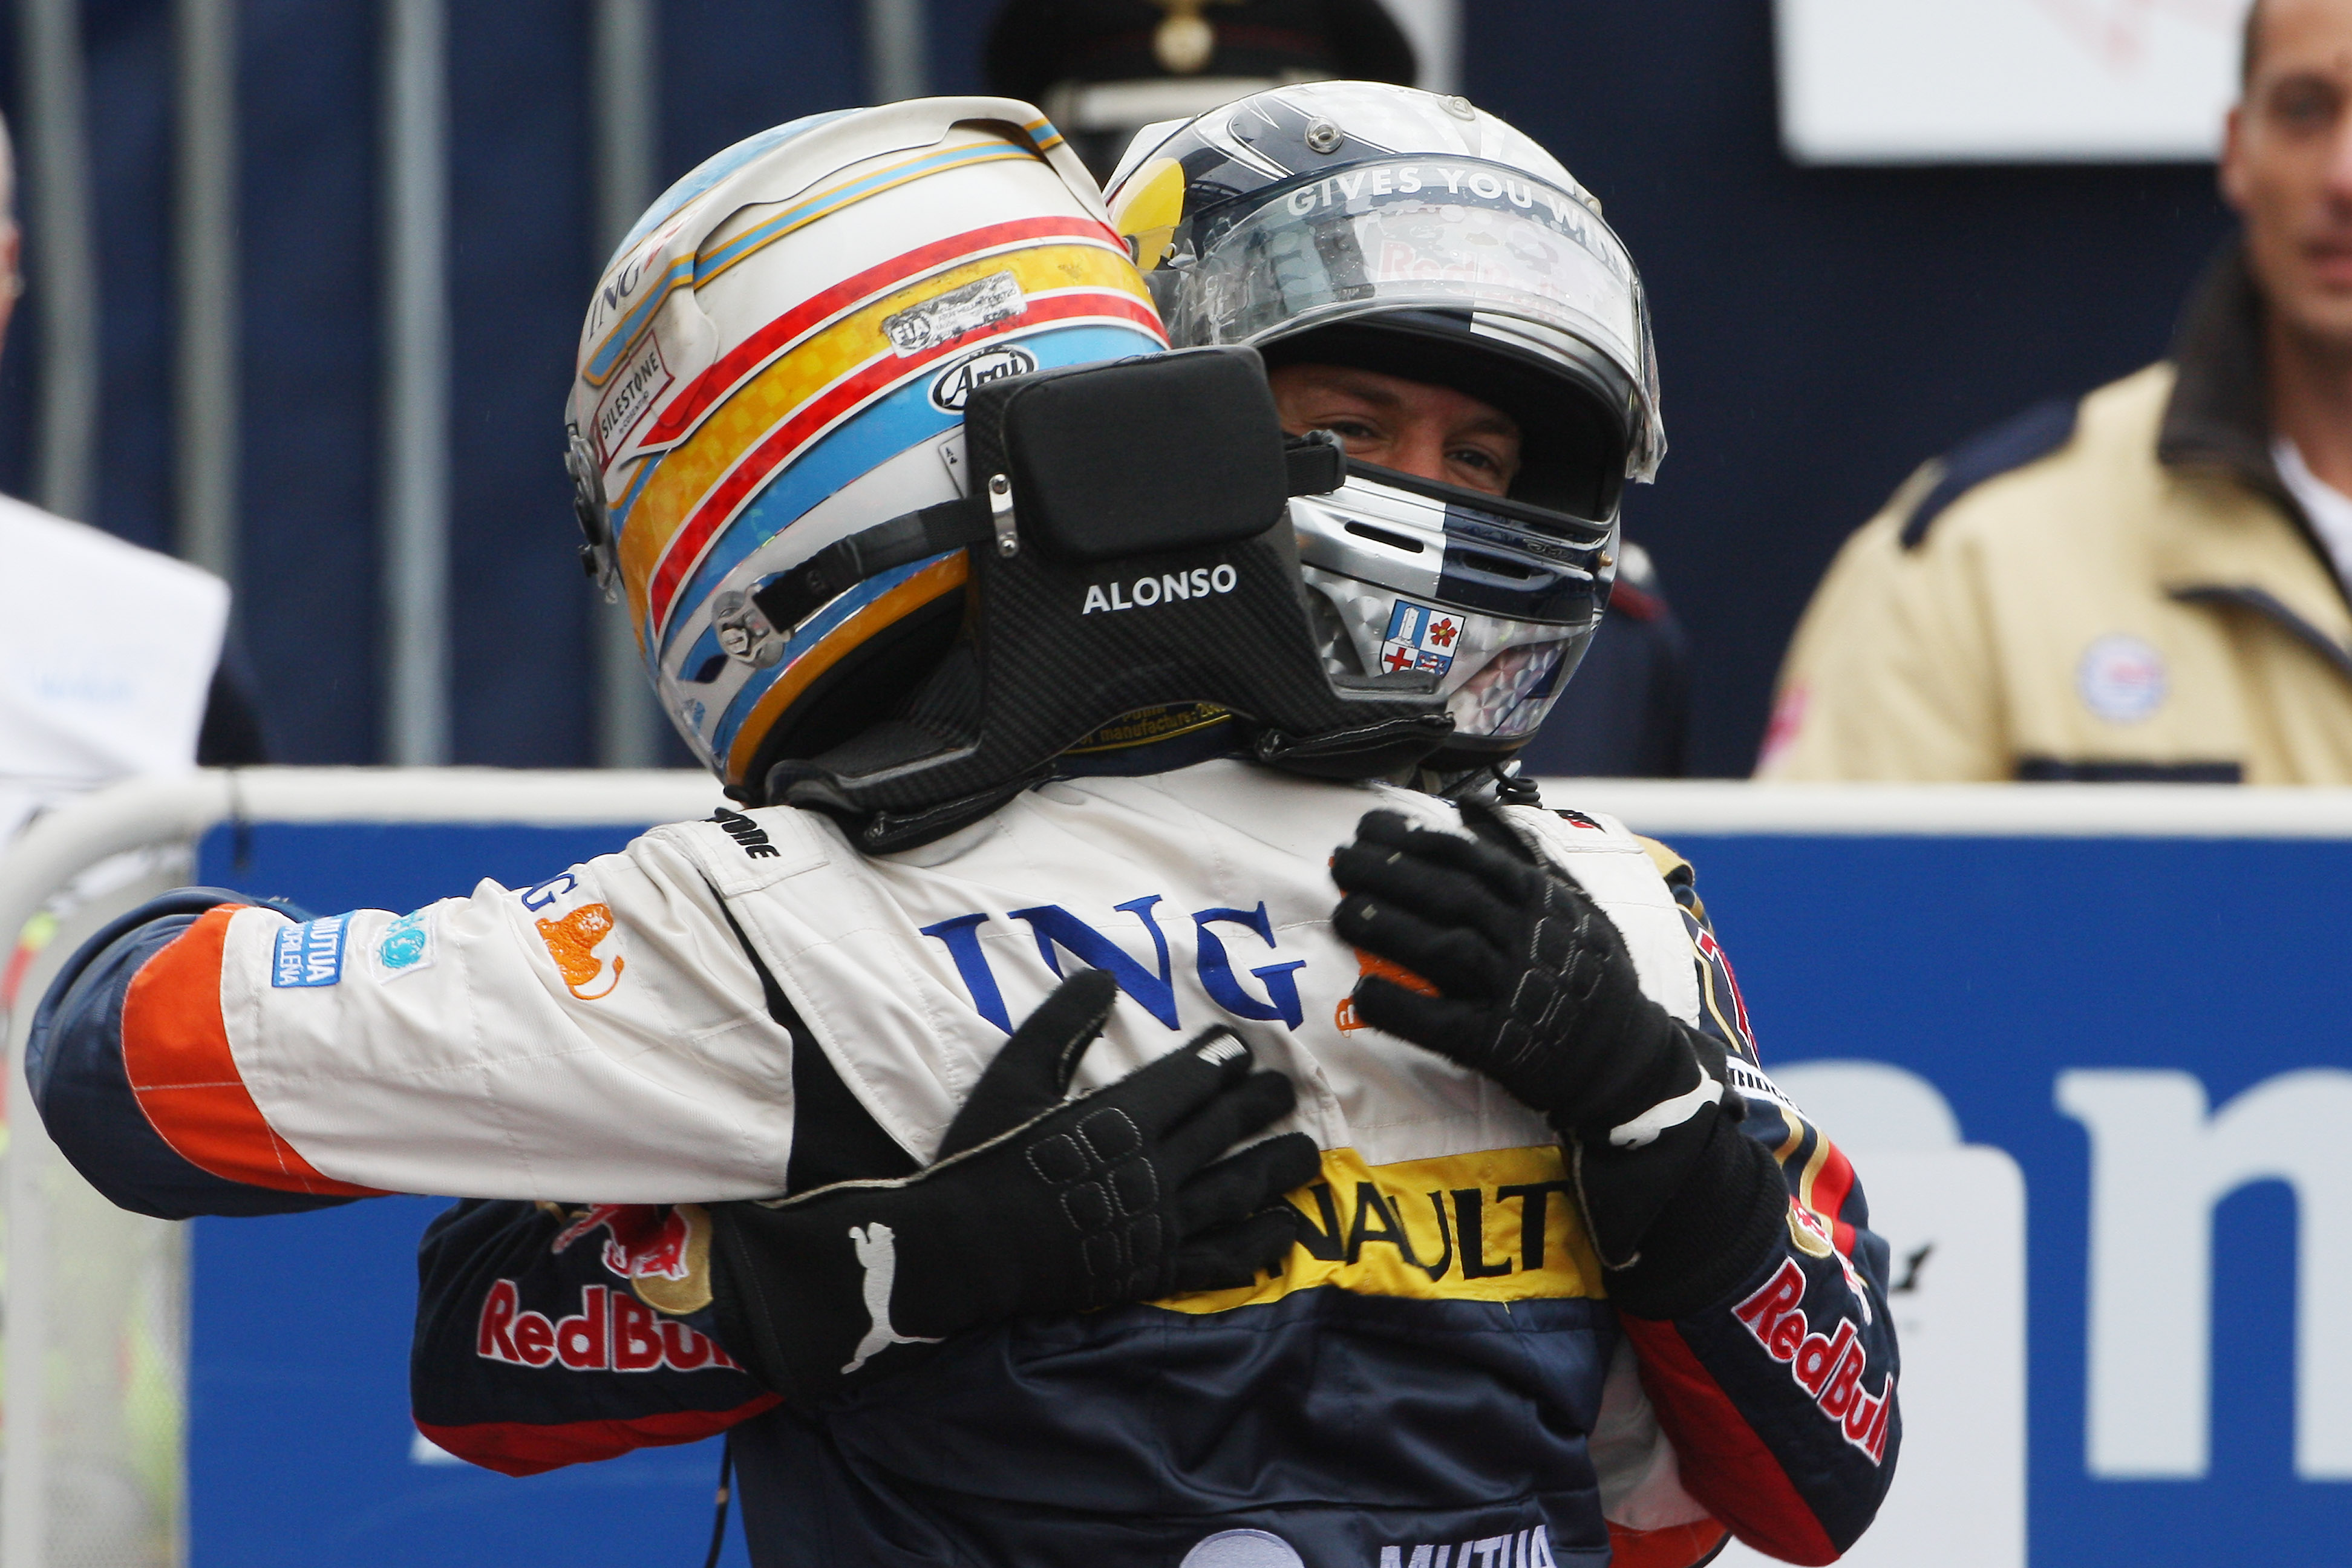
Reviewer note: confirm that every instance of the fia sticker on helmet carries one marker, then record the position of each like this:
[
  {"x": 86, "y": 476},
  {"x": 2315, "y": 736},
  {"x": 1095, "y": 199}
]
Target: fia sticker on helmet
[
  {"x": 953, "y": 387},
  {"x": 943, "y": 318},
  {"x": 2121, "y": 678},
  {"x": 1420, "y": 638}
]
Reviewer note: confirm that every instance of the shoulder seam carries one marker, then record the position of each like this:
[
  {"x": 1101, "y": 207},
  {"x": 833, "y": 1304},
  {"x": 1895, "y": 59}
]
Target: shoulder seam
[{"x": 2012, "y": 444}]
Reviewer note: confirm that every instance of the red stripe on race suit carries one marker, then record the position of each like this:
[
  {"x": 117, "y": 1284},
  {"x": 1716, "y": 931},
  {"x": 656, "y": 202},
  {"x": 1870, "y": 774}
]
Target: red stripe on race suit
[
  {"x": 176, "y": 1054},
  {"x": 712, "y": 385},
  {"x": 751, "y": 474},
  {"x": 1725, "y": 1464},
  {"x": 520, "y": 1448},
  {"x": 1677, "y": 1546},
  {"x": 1831, "y": 1188}
]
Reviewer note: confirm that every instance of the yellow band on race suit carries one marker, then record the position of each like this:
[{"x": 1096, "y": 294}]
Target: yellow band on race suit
[{"x": 1500, "y": 1225}]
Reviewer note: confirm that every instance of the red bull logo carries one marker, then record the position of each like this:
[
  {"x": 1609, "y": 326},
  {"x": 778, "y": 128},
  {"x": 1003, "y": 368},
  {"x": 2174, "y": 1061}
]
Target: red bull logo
[
  {"x": 612, "y": 1330},
  {"x": 643, "y": 1241}
]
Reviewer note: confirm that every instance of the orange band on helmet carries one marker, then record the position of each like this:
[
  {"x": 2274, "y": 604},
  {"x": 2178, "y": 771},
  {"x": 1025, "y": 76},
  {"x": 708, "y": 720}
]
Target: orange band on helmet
[
  {"x": 933, "y": 581},
  {"x": 732, "y": 454},
  {"x": 738, "y": 364}
]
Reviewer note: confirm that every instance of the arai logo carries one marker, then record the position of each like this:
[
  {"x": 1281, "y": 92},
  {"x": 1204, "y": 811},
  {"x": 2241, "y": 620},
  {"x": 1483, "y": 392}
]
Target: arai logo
[{"x": 952, "y": 387}]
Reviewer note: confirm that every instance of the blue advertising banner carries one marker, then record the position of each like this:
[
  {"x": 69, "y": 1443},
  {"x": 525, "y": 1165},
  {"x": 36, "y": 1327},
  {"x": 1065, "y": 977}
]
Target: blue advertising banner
[{"x": 2098, "y": 1089}]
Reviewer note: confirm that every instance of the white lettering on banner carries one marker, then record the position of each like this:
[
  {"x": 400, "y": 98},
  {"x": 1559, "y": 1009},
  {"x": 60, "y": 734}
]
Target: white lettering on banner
[{"x": 2158, "y": 1164}]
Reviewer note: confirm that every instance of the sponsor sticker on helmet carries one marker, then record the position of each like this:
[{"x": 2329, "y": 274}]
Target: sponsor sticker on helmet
[
  {"x": 1420, "y": 636},
  {"x": 630, "y": 396},
  {"x": 952, "y": 387},
  {"x": 946, "y": 317}
]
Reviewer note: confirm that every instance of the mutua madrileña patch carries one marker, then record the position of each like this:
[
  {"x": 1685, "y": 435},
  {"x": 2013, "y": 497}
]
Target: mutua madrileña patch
[{"x": 311, "y": 953}]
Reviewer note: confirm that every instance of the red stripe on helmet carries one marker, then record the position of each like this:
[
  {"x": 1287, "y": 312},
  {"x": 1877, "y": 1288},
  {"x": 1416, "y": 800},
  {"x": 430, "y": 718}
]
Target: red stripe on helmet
[
  {"x": 710, "y": 388},
  {"x": 686, "y": 547}
]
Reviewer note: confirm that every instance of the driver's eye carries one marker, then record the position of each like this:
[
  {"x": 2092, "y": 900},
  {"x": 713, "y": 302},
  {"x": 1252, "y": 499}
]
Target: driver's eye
[{"x": 2305, "y": 105}]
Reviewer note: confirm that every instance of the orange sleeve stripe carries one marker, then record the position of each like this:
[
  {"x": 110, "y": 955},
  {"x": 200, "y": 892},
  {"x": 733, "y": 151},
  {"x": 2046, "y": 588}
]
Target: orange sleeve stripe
[
  {"x": 1677, "y": 1546},
  {"x": 175, "y": 1052}
]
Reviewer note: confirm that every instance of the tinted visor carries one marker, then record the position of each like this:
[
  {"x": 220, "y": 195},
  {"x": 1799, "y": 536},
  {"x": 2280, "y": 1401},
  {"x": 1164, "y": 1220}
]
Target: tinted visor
[{"x": 1453, "y": 235}]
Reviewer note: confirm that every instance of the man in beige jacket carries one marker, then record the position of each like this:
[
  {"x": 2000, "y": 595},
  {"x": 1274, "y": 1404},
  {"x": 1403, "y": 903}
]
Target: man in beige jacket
[{"x": 2152, "y": 584}]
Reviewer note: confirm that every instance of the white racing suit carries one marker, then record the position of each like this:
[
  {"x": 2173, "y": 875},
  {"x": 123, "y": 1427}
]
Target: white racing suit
[{"x": 1436, "y": 1374}]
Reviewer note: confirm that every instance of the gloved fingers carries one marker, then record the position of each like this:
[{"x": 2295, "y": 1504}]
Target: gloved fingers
[
  {"x": 1437, "y": 893},
  {"x": 1164, "y": 1093},
  {"x": 1506, "y": 875},
  {"x": 1236, "y": 1187},
  {"x": 1458, "y": 961},
  {"x": 1439, "y": 1023},
  {"x": 1241, "y": 1111},
  {"x": 1032, "y": 1073},
  {"x": 1234, "y": 1257}
]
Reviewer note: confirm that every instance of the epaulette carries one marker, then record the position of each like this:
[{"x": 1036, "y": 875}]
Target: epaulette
[
  {"x": 2012, "y": 443},
  {"x": 1679, "y": 875}
]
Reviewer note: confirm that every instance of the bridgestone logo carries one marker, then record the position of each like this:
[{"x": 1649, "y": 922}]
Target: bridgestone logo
[
  {"x": 1166, "y": 588},
  {"x": 632, "y": 395}
]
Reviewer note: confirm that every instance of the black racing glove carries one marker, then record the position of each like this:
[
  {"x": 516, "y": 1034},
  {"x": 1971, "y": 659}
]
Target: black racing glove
[
  {"x": 1036, "y": 1204},
  {"x": 1534, "y": 988}
]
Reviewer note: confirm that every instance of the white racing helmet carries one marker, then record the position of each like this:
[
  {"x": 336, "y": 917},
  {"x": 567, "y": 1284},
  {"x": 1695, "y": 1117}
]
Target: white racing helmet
[
  {"x": 779, "y": 355},
  {"x": 1385, "y": 229}
]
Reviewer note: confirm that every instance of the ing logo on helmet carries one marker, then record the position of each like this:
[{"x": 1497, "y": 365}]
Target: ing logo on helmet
[{"x": 571, "y": 942}]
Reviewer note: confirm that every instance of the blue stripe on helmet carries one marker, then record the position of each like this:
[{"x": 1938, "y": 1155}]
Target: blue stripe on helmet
[
  {"x": 868, "y": 439},
  {"x": 716, "y": 167},
  {"x": 823, "y": 623}
]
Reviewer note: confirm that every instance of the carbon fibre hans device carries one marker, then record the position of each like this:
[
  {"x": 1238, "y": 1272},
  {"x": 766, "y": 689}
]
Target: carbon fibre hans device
[{"x": 1130, "y": 546}]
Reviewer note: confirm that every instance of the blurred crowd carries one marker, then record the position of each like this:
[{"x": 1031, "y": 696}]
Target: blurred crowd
[{"x": 2147, "y": 581}]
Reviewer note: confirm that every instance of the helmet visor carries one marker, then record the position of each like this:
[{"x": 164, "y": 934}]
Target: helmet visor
[{"x": 1429, "y": 234}]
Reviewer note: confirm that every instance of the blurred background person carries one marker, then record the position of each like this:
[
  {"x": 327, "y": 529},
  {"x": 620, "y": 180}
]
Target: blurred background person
[
  {"x": 1102, "y": 71},
  {"x": 2152, "y": 584},
  {"x": 111, "y": 655}
]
